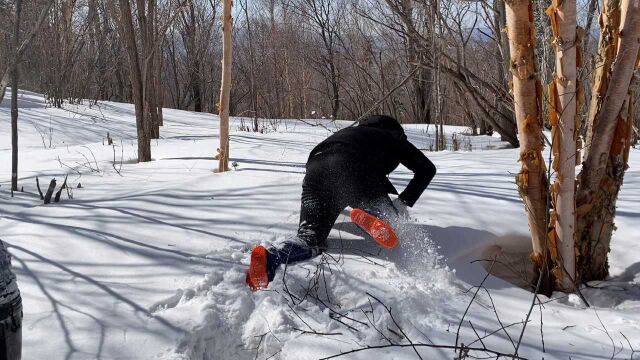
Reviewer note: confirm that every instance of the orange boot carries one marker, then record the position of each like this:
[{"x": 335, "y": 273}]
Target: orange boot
[
  {"x": 379, "y": 230},
  {"x": 257, "y": 277}
]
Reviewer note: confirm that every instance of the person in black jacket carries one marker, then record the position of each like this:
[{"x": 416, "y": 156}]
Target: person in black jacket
[{"x": 349, "y": 169}]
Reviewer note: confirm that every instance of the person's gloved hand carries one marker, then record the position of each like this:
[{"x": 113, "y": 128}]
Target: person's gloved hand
[{"x": 401, "y": 207}]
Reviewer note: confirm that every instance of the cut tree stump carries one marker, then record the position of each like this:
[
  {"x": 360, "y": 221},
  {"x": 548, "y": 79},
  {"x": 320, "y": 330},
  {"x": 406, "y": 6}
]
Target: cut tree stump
[
  {"x": 64, "y": 185},
  {"x": 52, "y": 187},
  {"x": 38, "y": 186}
]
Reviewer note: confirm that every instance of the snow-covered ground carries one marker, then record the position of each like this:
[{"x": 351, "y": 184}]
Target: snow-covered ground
[{"x": 149, "y": 262}]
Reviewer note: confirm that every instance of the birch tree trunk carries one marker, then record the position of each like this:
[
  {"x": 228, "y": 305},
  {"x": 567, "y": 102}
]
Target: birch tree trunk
[
  {"x": 225, "y": 90},
  {"x": 604, "y": 121},
  {"x": 607, "y": 50},
  {"x": 609, "y": 138},
  {"x": 601, "y": 229},
  {"x": 563, "y": 122},
  {"x": 531, "y": 180}
]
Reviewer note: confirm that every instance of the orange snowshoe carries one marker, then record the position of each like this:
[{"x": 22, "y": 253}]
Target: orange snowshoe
[
  {"x": 379, "y": 230},
  {"x": 257, "y": 277}
]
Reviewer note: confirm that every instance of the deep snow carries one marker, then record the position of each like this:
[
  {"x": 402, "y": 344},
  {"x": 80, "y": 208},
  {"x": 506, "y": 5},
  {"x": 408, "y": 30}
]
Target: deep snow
[{"x": 149, "y": 263}]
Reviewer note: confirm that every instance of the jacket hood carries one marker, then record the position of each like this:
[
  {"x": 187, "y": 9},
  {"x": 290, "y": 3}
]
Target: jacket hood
[{"x": 385, "y": 123}]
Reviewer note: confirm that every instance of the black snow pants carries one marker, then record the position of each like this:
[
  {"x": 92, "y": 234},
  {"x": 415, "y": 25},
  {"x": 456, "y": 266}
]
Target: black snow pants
[
  {"x": 332, "y": 183},
  {"x": 11, "y": 331}
]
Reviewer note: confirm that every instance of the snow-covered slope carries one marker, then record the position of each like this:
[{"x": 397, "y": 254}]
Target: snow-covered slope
[{"x": 149, "y": 262}]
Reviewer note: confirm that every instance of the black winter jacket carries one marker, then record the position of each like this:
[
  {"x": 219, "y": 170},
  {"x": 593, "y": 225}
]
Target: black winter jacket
[{"x": 374, "y": 149}]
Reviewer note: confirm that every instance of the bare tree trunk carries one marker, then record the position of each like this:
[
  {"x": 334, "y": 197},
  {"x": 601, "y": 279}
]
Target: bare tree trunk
[
  {"x": 289, "y": 90},
  {"x": 326, "y": 15},
  {"x": 193, "y": 62},
  {"x": 502, "y": 40},
  {"x": 128, "y": 33},
  {"x": 252, "y": 76},
  {"x": 586, "y": 50},
  {"x": 607, "y": 50},
  {"x": 96, "y": 76},
  {"x": 483, "y": 127},
  {"x": 335, "y": 85},
  {"x": 195, "y": 87},
  {"x": 563, "y": 120},
  {"x": 149, "y": 63},
  {"x": 544, "y": 53},
  {"x": 531, "y": 180},
  {"x": 604, "y": 123},
  {"x": 601, "y": 230},
  {"x": 635, "y": 122},
  {"x": 608, "y": 138},
  {"x": 502, "y": 55},
  {"x": 305, "y": 107},
  {"x": 63, "y": 83},
  {"x": 158, "y": 89},
  {"x": 225, "y": 90},
  {"x": 420, "y": 84},
  {"x": 437, "y": 74},
  {"x": 14, "y": 101}
]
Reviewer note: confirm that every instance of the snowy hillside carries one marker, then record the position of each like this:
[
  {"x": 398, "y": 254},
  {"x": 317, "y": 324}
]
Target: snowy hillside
[{"x": 147, "y": 261}]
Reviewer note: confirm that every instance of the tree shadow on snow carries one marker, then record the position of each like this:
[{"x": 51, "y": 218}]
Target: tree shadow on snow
[
  {"x": 618, "y": 291},
  {"x": 62, "y": 304}
]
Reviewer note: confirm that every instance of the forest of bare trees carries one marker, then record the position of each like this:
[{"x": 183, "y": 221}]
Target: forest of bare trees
[{"x": 294, "y": 58}]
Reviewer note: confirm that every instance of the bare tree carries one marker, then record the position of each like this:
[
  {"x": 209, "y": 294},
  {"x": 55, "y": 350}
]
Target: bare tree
[
  {"x": 563, "y": 119},
  {"x": 189, "y": 23},
  {"x": 527, "y": 94},
  {"x": 225, "y": 90},
  {"x": 424, "y": 77},
  {"x": 609, "y": 136},
  {"x": 14, "y": 100},
  {"x": 144, "y": 65},
  {"x": 128, "y": 33},
  {"x": 608, "y": 142},
  {"x": 252, "y": 75},
  {"x": 488, "y": 96},
  {"x": 327, "y": 17}
]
